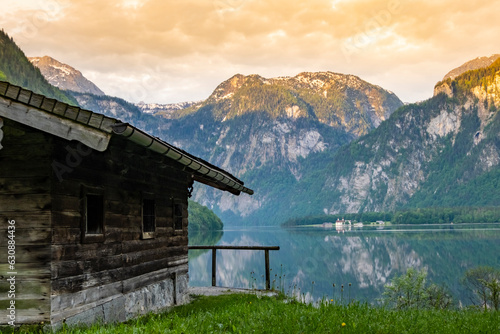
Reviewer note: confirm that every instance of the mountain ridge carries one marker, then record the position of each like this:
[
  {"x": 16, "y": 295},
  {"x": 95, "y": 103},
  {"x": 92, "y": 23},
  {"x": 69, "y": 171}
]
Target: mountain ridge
[
  {"x": 165, "y": 110},
  {"x": 337, "y": 100},
  {"x": 474, "y": 64}
]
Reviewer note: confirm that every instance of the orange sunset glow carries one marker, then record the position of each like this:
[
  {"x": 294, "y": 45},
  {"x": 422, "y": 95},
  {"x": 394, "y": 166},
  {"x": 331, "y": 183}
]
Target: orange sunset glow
[{"x": 170, "y": 51}]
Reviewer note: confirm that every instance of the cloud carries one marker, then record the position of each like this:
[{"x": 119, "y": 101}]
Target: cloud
[{"x": 187, "y": 47}]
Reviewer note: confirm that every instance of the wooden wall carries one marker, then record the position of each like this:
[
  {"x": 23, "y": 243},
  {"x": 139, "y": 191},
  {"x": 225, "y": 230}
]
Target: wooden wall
[
  {"x": 25, "y": 197},
  {"x": 60, "y": 273},
  {"x": 85, "y": 272}
]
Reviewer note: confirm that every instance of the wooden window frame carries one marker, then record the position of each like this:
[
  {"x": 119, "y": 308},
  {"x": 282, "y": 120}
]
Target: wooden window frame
[
  {"x": 148, "y": 234},
  {"x": 176, "y": 217},
  {"x": 86, "y": 236}
]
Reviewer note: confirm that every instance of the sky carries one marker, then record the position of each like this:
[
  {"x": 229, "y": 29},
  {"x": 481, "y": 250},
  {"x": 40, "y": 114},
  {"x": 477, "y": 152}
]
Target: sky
[{"x": 167, "y": 51}]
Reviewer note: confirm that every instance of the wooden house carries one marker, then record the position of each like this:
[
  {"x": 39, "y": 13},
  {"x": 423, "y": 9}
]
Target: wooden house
[{"x": 93, "y": 212}]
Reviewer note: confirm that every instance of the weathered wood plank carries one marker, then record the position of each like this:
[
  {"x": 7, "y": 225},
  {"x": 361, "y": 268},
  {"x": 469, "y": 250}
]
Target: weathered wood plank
[
  {"x": 38, "y": 152},
  {"x": 27, "y": 287},
  {"x": 135, "y": 258},
  {"x": 65, "y": 203},
  {"x": 129, "y": 207},
  {"x": 29, "y": 202},
  {"x": 35, "y": 185},
  {"x": 28, "y": 237},
  {"x": 26, "y": 271},
  {"x": 12, "y": 92},
  {"x": 58, "y": 316},
  {"x": 125, "y": 222},
  {"x": 21, "y": 134},
  {"x": 68, "y": 187},
  {"x": 137, "y": 245},
  {"x": 29, "y": 253},
  {"x": 25, "y": 220},
  {"x": 152, "y": 266},
  {"x": 38, "y": 312},
  {"x": 64, "y": 269},
  {"x": 137, "y": 282},
  {"x": 66, "y": 219},
  {"x": 144, "y": 268},
  {"x": 78, "y": 283},
  {"x": 113, "y": 173},
  {"x": 62, "y": 236},
  {"x": 87, "y": 296},
  {"x": 71, "y": 268},
  {"x": 70, "y": 252},
  {"x": 22, "y": 168}
]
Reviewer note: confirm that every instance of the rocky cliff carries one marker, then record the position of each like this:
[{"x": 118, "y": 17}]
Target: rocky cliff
[{"x": 442, "y": 152}]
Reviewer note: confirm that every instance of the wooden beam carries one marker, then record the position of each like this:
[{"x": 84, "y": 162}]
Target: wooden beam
[
  {"x": 237, "y": 247},
  {"x": 53, "y": 124}
]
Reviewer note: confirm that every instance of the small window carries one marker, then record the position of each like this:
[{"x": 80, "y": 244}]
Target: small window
[
  {"x": 178, "y": 208},
  {"x": 148, "y": 218},
  {"x": 94, "y": 214}
]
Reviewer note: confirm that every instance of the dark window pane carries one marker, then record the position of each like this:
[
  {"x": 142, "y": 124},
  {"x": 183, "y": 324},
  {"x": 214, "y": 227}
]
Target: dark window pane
[
  {"x": 178, "y": 216},
  {"x": 148, "y": 215},
  {"x": 94, "y": 214}
]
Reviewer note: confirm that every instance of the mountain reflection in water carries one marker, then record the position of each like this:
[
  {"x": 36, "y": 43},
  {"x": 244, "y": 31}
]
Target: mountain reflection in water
[{"x": 367, "y": 257}]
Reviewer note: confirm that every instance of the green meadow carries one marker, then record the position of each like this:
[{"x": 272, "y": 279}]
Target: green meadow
[{"x": 249, "y": 313}]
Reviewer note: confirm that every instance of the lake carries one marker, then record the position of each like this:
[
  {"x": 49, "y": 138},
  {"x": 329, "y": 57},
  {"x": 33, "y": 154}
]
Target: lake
[{"x": 362, "y": 260}]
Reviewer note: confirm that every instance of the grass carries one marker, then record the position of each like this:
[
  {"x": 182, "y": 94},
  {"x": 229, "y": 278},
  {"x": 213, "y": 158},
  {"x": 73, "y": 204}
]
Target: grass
[{"x": 242, "y": 313}]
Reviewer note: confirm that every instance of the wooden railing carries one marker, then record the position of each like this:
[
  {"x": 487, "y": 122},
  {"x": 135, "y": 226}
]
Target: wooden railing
[{"x": 214, "y": 249}]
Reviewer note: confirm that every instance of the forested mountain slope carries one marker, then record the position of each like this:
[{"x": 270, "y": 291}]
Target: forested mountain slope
[
  {"x": 17, "y": 69},
  {"x": 442, "y": 152}
]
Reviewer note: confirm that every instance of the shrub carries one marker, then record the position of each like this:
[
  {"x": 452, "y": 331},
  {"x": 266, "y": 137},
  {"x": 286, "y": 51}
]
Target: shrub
[{"x": 409, "y": 291}]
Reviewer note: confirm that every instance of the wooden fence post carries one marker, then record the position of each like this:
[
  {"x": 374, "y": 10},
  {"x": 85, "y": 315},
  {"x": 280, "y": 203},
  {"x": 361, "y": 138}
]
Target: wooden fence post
[
  {"x": 214, "y": 259},
  {"x": 214, "y": 266},
  {"x": 268, "y": 279}
]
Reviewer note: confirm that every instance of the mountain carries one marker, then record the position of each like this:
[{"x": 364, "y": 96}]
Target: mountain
[
  {"x": 270, "y": 132},
  {"x": 16, "y": 68},
  {"x": 338, "y": 100},
  {"x": 474, "y": 64},
  {"x": 441, "y": 152},
  {"x": 166, "y": 110},
  {"x": 64, "y": 76}
]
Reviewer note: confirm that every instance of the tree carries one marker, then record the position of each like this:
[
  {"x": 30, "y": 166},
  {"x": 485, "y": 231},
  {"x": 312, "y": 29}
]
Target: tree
[
  {"x": 439, "y": 297},
  {"x": 483, "y": 285}
]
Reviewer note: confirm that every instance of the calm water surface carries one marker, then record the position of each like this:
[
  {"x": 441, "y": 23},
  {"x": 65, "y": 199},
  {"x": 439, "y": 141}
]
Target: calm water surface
[{"x": 366, "y": 257}]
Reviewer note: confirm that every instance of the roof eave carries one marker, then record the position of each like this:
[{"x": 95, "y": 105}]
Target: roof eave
[{"x": 201, "y": 171}]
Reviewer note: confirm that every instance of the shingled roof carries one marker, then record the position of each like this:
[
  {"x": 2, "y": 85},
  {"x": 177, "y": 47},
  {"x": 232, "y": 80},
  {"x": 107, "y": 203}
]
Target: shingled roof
[{"x": 95, "y": 130}]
